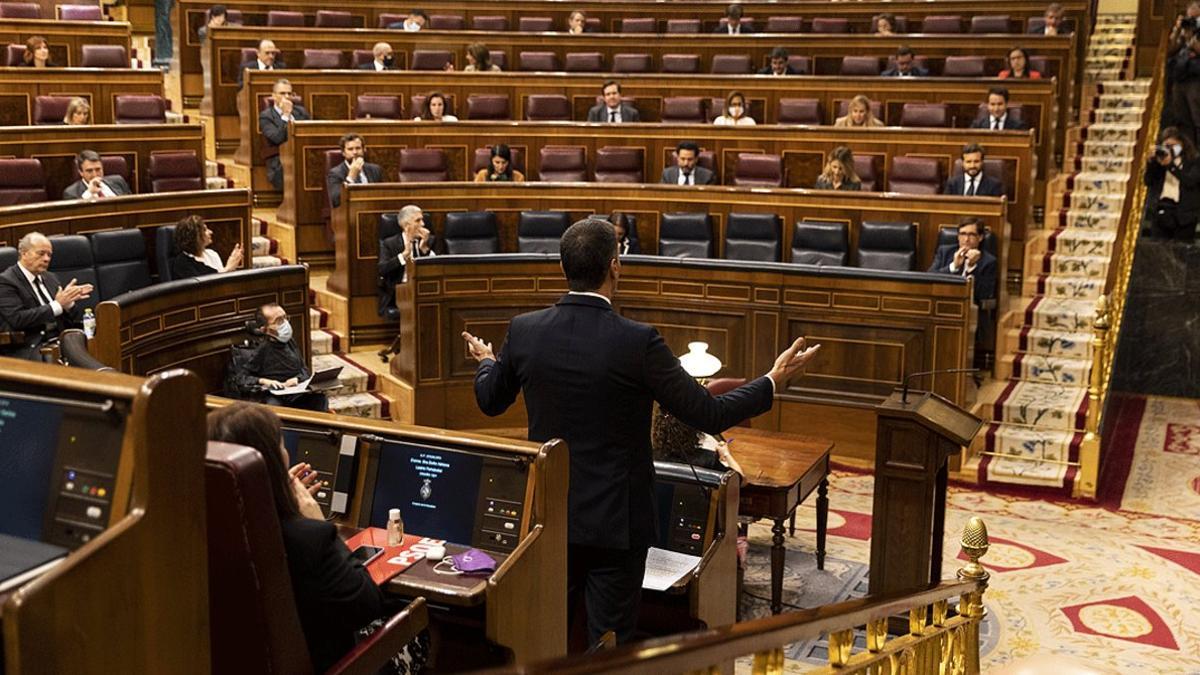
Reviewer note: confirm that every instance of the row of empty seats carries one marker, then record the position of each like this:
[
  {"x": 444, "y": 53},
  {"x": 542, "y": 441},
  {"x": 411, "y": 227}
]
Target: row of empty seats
[
  {"x": 563, "y": 163},
  {"x": 93, "y": 56},
  {"x": 593, "y": 62},
  {"x": 32, "y": 10},
  {"x": 940, "y": 24},
  {"x": 675, "y": 110},
  {"x": 114, "y": 261},
  {"x": 756, "y": 237},
  {"x": 23, "y": 181},
  {"x": 127, "y": 109}
]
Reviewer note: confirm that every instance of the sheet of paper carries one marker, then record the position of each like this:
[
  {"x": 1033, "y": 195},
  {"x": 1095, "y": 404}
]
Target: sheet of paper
[
  {"x": 664, "y": 568},
  {"x": 300, "y": 388}
]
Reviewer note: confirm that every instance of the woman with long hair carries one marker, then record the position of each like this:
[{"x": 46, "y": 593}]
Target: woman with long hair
[
  {"x": 735, "y": 114},
  {"x": 79, "y": 112},
  {"x": 1172, "y": 180},
  {"x": 37, "y": 53},
  {"x": 195, "y": 258},
  {"x": 479, "y": 59},
  {"x": 1018, "y": 66},
  {"x": 434, "y": 109},
  {"x": 501, "y": 170},
  {"x": 839, "y": 173},
  {"x": 858, "y": 114}
]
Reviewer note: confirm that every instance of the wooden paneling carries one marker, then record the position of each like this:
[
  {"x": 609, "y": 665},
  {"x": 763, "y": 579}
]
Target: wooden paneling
[
  {"x": 355, "y": 272},
  {"x": 20, "y": 86},
  {"x": 365, "y": 14},
  {"x": 66, "y": 38},
  {"x": 867, "y": 346},
  {"x": 227, "y": 212},
  {"x": 57, "y": 146}
]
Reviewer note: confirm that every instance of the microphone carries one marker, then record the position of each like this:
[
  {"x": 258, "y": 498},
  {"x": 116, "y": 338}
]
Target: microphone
[
  {"x": 904, "y": 395},
  {"x": 417, "y": 241}
]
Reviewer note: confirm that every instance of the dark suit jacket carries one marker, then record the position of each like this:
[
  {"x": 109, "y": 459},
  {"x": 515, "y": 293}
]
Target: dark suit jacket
[
  {"x": 274, "y": 129},
  {"x": 370, "y": 65},
  {"x": 335, "y": 596},
  {"x": 984, "y": 272},
  {"x": 766, "y": 70},
  {"x": 917, "y": 71},
  {"x": 252, "y": 64},
  {"x": 20, "y": 310},
  {"x": 590, "y": 377},
  {"x": 745, "y": 29},
  {"x": 988, "y": 186},
  {"x": 115, "y": 183},
  {"x": 599, "y": 113},
  {"x": 700, "y": 176},
  {"x": 847, "y": 186},
  {"x": 337, "y": 178},
  {"x": 1010, "y": 123},
  {"x": 1189, "y": 187},
  {"x": 391, "y": 272}
]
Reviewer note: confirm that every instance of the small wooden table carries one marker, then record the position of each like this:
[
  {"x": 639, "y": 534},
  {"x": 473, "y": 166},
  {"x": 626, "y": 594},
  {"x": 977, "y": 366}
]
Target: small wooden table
[{"x": 779, "y": 472}]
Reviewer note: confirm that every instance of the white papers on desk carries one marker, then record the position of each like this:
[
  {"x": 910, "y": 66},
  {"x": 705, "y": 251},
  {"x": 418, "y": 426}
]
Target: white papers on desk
[
  {"x": 300, "y": 388},
  {"x": 665, "y": 568}
]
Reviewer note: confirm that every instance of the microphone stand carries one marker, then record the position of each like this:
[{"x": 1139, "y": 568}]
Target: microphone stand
[{"x": 908, "y": 378}]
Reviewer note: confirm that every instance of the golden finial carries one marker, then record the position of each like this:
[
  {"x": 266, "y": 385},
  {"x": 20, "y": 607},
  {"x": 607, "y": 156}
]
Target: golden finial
[
  {"x": 1101, "y": 320},
  {"x": 974, "y": 546}
]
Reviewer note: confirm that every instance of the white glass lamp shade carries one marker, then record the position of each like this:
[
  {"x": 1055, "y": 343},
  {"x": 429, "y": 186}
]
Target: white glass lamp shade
[{"x": 698, "y": 362}]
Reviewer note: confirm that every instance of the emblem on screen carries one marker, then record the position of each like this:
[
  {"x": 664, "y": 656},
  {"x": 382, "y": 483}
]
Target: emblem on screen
[{"x": 426, "y": 490}]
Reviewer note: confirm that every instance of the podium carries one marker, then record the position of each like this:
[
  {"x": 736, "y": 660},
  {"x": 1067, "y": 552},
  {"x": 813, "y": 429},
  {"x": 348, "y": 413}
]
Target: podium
[{"x": 913, "y": 441}]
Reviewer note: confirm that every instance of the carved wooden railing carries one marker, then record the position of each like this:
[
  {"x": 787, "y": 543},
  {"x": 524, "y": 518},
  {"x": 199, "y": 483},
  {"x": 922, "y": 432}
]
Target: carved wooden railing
[{"x": 937, "y": 640}]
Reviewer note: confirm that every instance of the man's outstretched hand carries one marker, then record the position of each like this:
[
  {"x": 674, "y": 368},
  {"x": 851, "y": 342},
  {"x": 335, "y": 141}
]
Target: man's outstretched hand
[
  {"x": 479, "y": 349},
  {"x": 791, "y": 361}
]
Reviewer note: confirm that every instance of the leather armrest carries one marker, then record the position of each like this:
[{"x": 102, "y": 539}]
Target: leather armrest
[{"x": 373, "y": 653}]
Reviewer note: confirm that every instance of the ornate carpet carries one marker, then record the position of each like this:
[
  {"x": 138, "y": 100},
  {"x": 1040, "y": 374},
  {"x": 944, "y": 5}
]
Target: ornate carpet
[
  {"x": 1115, "y": 589},
  {"x": 1164, "y": 477}
]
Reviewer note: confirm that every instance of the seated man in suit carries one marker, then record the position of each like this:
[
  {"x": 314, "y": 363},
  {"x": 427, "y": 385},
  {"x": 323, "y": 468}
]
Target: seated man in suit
[
  {"x": 779, "y": 64},
  {"x": 274, "y": 125},
  {"x": 1054, "y": 22},
  {"x": 998, "y": 117},
  {"x": 686, "y": 171},
  {"x": 92, "y": 183},
  {"x": 967, "y": 259},
  {"x": 34, "y": 302},
  {"x": 414, "y": 22},
  {"x": 355, "y": 168},
  {"x": 384, "y": 58},
  {"x": 733, "y": 22},
  {"x": 413, "y": 241},
  {"x": 971, "y": 182},
  {"x": 613, "y": 109},
  {"x": 266, "y": 59},
  {"x": 278, "y": 363},
  {"x": 906, "y": 65}
]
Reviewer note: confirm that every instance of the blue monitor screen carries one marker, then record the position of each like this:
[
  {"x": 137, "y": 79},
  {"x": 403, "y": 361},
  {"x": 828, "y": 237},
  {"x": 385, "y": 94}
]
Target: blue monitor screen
[
  {"x": 436, "y": 490},
  {"x": 28, "y": 444}
]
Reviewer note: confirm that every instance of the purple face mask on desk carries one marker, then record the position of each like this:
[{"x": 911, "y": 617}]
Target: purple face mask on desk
[{"x": 474, "y": 562}]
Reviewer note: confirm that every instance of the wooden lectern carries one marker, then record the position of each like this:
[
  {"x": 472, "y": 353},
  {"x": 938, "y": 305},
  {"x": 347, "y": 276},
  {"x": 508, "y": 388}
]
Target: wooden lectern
[{"x": 913, "y": 441}]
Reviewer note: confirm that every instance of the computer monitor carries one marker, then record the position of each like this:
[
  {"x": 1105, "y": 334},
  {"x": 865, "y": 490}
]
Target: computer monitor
[
  {"x": 686, "y": 506},
  {"x": 321, "y": 449}
]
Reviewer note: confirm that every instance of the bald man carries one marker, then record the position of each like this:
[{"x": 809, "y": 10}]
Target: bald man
[
  {"x": 384, "y": 59},
  {"x": 34, "y": 302},
  {"x": 266, "y": 58}
]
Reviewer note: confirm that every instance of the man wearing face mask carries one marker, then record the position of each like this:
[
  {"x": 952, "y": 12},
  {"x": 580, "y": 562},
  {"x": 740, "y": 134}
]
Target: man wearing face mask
[
  {"x": 1172, "y": 180},
  {"x": 384, "y": 58},
  {"x": 278, "y": 363}
]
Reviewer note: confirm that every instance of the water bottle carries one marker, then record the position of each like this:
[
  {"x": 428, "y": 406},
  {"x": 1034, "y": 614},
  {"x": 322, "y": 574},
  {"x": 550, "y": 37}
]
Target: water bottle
[
  {"x": 395, "y": 528},
  {"x": 89, "y": 324}
]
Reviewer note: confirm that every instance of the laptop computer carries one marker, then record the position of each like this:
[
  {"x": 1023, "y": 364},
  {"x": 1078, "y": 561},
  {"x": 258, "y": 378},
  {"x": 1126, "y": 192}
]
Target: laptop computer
[{"x": 325, "y": 379}]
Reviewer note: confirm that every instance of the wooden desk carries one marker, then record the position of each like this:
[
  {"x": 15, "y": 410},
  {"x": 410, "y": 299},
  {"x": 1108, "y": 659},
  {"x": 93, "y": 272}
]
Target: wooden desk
[
  {"x": 66, "y": 38},
  {"x": 20, "y": 86},
  {"x": 780, "y": 471}
]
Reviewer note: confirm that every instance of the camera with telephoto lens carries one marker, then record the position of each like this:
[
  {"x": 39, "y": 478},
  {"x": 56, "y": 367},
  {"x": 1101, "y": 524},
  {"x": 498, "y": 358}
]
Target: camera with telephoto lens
[{"x": 1161, "y": 152}]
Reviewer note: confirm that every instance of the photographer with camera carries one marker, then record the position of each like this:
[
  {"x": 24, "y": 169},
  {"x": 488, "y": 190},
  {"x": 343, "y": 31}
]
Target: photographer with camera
[
  {"x": 1173, "y": 179},
  {"x": 1182, "y": 98}
]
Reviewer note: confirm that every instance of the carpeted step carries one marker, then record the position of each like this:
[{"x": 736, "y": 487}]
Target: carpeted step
[
  {"x": 1109, "y": 147},
  {"x": 1041, "y": 404},
  {"x": 1060, "y": 314},
  {"x": 1099, "y": 183},
  {"x": 363, "y": 404},
  {"x": 353, "y": 379},
  {"x": 1140, "y": 87},
  {"x": 1082, "y": 241},
  {"x": 324, "y": 341},
  {"x": 1058, "y": 264},
  {"x": 318, "y": 317},
  {"x": 1048, "y": 342},
  {"x": 1120, "y": 165},
  {"x": 1100, "y": 203},
  {"x": 1046, "y": 369},
  {"x": 1071, "y": 288},
  {"x": 1029, "y": 456},
  {"x": 1119, "y": 115},
  {"x": 1118, "y": 132},
  {"x": 261, "y": 245},
  {"x": 261, "y": 261},
  {"x": 1091, "y": 219}
]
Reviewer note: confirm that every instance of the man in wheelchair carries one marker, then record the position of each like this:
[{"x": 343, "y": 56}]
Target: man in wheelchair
[{"x": 271, "y": 364}]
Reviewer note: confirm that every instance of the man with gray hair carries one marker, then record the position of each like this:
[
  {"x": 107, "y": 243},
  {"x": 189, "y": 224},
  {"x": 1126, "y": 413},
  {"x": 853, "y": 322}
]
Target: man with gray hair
[
  {"x": 395, "y": 252},
  {"x": 34, "y": 302},
  {"x": 384, "y": 58}
]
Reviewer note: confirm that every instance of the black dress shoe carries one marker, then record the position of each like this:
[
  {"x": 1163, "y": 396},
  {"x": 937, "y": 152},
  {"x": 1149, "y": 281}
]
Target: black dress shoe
[{"x": 392, "y": 314}]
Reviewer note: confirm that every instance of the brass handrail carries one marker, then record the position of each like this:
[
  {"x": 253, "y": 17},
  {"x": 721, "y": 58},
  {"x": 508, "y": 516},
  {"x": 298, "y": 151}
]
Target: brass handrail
[{"x": 935, "y": 636}]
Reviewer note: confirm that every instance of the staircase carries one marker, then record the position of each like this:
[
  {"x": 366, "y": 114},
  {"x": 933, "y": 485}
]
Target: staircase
[
  {"x": 1036, "y": 414},
  {"x": 357, "y": 396}
]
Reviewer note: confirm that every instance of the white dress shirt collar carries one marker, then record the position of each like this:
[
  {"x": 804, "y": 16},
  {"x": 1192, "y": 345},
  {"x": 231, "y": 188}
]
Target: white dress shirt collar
[{"x": 590, "y": 294}]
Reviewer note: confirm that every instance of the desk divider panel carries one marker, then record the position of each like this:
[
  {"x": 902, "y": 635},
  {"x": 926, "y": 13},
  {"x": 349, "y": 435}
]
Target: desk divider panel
[
  {"x": 66, "y": 38},
  {"x": 20, "y": 87}
]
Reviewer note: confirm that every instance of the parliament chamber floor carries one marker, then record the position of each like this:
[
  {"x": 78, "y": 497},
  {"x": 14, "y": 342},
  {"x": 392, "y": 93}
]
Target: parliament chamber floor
[{"x": 987, "y": 466}]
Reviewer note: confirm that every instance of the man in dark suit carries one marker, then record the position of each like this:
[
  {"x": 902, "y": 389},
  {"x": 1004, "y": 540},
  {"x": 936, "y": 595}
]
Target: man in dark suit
[
  {"x": 906, "y": 65},
  {"x": 1054, "y": 24},
  {"x": 277, "y": 363},
  {"x": 395, "y": 252},
  {"x": 967, "y": 259},
  {"x": 779, "y": 64},
  {"x": 355, "y": 168},
  {"x": 998, "y": 117},
  {"x": 612, "y": 109},
  {"x": 384, "y": 58},
  {"x": 92, "y": 183},
  {"x": 733, "y": 22},
  {"x": 686, "y": 171},
  {"x": 590, "y": 377},
  {"x": 33, "y": 301},
  {"x": 273, "y": 122},
  {"x": 267, "y": 59},
  {"x": 971, "y": 182}
]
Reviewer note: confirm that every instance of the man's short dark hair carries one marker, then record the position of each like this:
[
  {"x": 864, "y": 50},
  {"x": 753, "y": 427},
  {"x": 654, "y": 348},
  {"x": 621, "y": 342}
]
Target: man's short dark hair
[
  {"x": 587, "y": 248},
  {"x": 999, "y": 91},
  {"x": 734, "y": 11},
  {"x": 905, "y": 50},
  {"x": 217, "y": 10},
  {"x": 973, "y": 220},
  {"x": 610, "y": 83},
  {"x": 346, "y": 138},
  {"x": 779, "y": 53},
  {"x": 971, "y": 148},
  {"x": 86, "y": 156},
  {"x": 688, "y": 145},
  {"x": 418, "y": 12}
]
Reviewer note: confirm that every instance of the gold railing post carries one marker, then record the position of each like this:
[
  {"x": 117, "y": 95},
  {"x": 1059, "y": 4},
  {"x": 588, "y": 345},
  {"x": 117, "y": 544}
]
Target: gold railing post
[
  {"x": 974, "y": 543},
  {"x": 841, "y": 643},
  {"x": 877, "y": 634},
  {"x": 1089, "y": 450}
]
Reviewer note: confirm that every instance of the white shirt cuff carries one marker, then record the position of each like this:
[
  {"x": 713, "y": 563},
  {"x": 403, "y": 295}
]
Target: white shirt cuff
[
  {"x": 58, "y": 310},
  {"x": 774, "y": 386}
]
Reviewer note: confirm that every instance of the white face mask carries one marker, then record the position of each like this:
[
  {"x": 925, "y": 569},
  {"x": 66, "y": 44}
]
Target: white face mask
[
  {"x": 1176, "y": 149},
  {"x": 284, "y": 332},
  {"x": 735, "y": 111}
]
